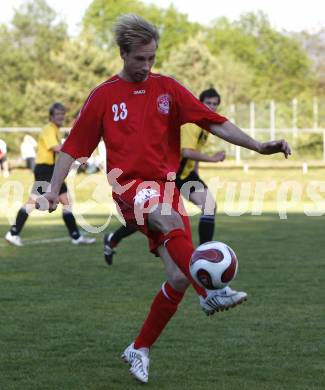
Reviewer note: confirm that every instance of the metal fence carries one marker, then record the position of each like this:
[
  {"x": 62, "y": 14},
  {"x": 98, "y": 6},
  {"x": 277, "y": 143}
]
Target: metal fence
[
  {"x": 307, "y": 144},
  {"x": 301, "y": 124},
  {"x": 295, "y": 114}
]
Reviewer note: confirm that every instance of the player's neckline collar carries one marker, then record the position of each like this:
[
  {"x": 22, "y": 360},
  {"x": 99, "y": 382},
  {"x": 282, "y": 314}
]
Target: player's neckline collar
[{"x": 134, "y": 83}]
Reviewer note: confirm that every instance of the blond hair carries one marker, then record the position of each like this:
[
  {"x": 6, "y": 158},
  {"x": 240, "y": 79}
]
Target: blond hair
[{"x": 131, "y": 30}]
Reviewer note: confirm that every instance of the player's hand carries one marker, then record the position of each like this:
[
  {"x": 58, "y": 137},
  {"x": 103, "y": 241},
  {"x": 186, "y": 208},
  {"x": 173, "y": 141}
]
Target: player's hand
[
  {"x": 218, "y": 157},
  {"x": 47, "y": 202},
  {"x": 272, "y": 147}
]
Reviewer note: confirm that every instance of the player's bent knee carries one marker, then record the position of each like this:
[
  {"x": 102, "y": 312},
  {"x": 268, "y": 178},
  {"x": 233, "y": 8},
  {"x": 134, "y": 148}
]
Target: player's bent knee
[
  {"x": 178, "y": 281},
  {"x": 165, "y": 222}
]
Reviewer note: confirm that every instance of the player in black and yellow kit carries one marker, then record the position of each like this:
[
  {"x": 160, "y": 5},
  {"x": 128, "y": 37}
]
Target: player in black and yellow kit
[
  {"x": 188, "y": 181},
  {"x": 193, "y": 140},
  {"x": 49, "y": 144}
]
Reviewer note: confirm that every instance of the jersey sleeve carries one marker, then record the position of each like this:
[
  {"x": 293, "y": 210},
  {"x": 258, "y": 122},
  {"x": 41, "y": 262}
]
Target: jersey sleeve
[
  {"x": 88, "y": 128},
  {"x": 189, "y": 136},
  {"x": 191, "y": 110},
  {"x": 49, "y": 137}
]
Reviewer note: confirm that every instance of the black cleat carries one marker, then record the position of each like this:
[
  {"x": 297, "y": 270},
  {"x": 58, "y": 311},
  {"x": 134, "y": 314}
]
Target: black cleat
[{"x": 108, "y": 250}]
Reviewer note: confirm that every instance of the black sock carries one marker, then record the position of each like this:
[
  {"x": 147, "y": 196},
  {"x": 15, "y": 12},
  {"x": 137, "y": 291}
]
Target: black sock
[
  {"x": 206, "y": 228},
  {"x": 122, "y": 232},
  {"x": 21, "y": 218},
  {"x": 70, "y": 223}
]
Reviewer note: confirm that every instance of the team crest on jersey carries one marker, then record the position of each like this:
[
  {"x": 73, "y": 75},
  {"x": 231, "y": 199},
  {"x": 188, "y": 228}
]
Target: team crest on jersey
[
  {"x": 144, "y": 195},
  {"x": 163, "y": 104}
]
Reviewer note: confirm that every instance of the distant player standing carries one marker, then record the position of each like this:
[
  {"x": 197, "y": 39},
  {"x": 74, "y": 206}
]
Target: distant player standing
[
  {"x": 139, "y": 115},
  {"x": 49, "y": 144},
  {"x": 28, "y": 151},
  {"x": 3, "y": 159},
  {"x": 193, "y": 139}
]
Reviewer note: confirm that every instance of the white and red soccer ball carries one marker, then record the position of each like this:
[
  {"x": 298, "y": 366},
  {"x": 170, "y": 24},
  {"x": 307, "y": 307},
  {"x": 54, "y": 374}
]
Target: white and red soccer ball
[{"x": 213, "y": 265}]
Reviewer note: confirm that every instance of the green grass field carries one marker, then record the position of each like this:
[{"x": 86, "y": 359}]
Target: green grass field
[{"x": 65, "y": 317}]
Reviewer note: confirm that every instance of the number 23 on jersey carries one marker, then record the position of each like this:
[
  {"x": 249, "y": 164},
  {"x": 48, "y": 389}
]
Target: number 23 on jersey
[{"x": 120, "y": 111}]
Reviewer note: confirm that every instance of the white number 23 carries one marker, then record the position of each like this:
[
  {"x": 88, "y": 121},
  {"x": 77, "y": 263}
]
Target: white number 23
[{"x": 119, "y": 112}]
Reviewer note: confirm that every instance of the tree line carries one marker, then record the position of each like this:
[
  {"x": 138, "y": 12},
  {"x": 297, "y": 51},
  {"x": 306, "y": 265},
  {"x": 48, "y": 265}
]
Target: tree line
[{"x": 246, "y": 60}]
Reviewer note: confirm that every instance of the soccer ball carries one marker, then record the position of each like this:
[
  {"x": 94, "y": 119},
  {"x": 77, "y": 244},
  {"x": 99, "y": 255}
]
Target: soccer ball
[{"x": 213, "y": 265}]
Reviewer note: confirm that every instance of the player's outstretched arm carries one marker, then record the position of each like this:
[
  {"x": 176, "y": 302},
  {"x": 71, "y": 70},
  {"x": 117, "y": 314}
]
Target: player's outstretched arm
[
  {"x": 49, "y": 200},
  {"x": 199, "y": 156},
  {"x": 233, "y": 134}
]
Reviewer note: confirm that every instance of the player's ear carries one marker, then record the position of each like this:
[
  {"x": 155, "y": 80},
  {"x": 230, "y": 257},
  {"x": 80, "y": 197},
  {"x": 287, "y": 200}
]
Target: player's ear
[{"x": 123, "y": 54}]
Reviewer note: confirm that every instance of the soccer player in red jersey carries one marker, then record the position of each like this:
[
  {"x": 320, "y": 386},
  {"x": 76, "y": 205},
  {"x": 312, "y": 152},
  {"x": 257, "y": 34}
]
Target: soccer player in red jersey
[
  {"x": 139, "y": 115},
  {"x": 192, "y": 141}
]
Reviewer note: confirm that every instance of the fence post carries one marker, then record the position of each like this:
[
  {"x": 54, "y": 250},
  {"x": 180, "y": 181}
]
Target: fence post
[
  {"x": 252, "y": 118},
  {"x": 233, "y": 119},
  {"x": 237, "y": 151}
]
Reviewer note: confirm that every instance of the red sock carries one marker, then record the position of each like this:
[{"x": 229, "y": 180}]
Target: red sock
[
  {"x": 163, "y": 307},
  {"x": 181, "y": 250}
]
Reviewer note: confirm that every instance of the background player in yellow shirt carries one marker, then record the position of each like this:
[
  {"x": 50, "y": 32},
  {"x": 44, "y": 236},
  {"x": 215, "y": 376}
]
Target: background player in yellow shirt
[
  {"x": 49, "y": 144},
  {"x": 192, "y": 140}
]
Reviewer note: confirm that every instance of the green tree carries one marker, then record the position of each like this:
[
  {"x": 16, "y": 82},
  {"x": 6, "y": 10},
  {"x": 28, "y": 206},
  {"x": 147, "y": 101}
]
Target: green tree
[
  {"x": 37, "y": 31},
  {"x": 194, "y": 65},
  {"x": 15, "y": 73},
  {"x": 80, "y": 66},
  {"x": 25, "y": 46},
  {"x": 173, "y": 25},
  {"x": 279, "y": 62},
  {"x": 314, "y": 44}
]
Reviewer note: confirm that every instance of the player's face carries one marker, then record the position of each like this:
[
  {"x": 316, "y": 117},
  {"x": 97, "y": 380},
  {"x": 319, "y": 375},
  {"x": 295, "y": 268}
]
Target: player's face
[
  {"x": 139, "y": 61},
  {"x": 58, "y": 117},
  {"x": 212, "y": 103}
]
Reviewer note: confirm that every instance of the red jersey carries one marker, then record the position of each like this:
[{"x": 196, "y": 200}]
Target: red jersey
[{"x": 140, "y": 124}]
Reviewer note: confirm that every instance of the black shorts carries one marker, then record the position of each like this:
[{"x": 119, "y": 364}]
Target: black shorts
[
  {"x": 192, "y": 177},
  {"x": 43, "y": 175}
]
